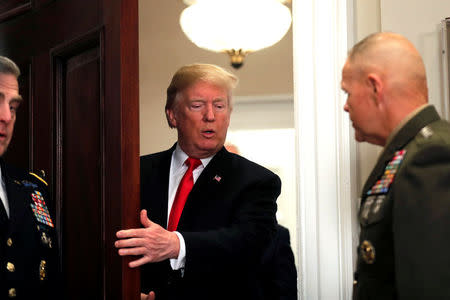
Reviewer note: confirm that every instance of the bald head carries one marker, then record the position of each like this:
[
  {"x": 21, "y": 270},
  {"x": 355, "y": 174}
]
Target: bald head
[
  {"x": 396, "y": 61},
  {"x": 384, "y": 78}
]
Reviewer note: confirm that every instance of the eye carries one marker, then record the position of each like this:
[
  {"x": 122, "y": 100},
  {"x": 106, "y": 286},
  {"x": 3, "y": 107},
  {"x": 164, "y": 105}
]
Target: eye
[
  {"x": 196, "y": 105},
  {"x": 220, "y": 105},
  {"x": 13, "y": 107}
]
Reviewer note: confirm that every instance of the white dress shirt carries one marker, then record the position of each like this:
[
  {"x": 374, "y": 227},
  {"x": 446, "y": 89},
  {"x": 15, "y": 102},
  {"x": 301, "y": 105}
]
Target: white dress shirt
[
  {"x": 177, "y": 170},
  {"x": 3, "y": 194}
]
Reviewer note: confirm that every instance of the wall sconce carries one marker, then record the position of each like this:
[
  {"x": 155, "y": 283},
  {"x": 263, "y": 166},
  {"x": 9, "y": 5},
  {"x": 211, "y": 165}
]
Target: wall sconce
[{"x": 236, "y": 27}]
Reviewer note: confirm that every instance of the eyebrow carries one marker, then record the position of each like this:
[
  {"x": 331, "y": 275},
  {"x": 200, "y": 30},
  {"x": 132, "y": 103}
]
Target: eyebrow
[{"x": 18, "y": 98}]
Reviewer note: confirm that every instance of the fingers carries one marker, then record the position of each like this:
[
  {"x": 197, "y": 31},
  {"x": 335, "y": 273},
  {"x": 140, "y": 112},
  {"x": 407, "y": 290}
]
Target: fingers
[
  {"x": 144, "y": 296},
  {"x": 145, "y": 221},
  {"x": 131, "y": 233},
  {"x": 132, "y": 251},
  {"x": 135, "y": 232},
  {"x": 151, "y": 296},
  {"x": 139, "y": 262},
  {"x": 131, "y": 242}
]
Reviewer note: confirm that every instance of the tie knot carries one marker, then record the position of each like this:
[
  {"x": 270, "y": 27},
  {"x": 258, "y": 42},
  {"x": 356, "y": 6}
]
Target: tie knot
[{"x": 192, "y": 163}]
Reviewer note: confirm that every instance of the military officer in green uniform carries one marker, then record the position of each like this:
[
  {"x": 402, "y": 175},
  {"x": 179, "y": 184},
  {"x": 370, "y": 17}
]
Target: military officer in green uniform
[
  {"x": 28, "y": 250},
  {"x": 405, "y": 203}
]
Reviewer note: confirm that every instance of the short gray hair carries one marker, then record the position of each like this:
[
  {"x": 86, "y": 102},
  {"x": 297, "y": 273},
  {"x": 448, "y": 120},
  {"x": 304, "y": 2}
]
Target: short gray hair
[{"x": 7, "y": 66}]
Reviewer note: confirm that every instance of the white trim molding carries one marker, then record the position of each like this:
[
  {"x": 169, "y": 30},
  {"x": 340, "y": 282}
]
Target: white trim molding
[{"x": 326, "y": 150}]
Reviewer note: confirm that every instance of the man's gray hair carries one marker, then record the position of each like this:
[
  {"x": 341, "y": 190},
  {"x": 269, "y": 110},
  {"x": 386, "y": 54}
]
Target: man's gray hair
[{"x": 7, "y": 66}]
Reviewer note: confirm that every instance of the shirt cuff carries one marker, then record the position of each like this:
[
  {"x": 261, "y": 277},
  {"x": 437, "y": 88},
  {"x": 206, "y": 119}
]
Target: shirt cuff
[{"x": 179, "y": 262}]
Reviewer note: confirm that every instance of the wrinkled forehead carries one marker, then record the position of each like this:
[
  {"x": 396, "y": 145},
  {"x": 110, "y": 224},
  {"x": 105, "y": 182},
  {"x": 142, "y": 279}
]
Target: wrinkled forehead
[
  {"x": 346, "y": 72},
  {"x": 9, "y": 81}
]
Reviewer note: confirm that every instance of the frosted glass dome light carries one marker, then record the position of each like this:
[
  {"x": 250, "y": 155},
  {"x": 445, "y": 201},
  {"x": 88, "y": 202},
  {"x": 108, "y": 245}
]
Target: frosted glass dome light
[{"x": 236, "y": 27}]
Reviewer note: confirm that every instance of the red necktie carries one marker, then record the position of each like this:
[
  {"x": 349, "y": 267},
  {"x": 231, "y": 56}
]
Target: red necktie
[{"x": 184, "y": 188}]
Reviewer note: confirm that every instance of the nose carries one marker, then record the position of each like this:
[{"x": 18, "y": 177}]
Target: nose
[
  {"x": 346, "y": 107},
  {"x": 5, "y": 112},
  {"x": 209, "y": 115}
]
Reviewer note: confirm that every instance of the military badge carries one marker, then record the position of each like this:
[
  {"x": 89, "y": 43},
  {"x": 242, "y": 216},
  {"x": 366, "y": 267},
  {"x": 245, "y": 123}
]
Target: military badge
[
  {"x": 426, "y": 132},
  {"x": 40, "y": 210},
  {"x": 46, "y": 240},
  {"x": 382, "y": 185},
  {"x": 27, "y": 183},
  {"x": 366, "y": 208},
  {"x": 367, "y": 252},
  {"x": 378, "y": 203}
]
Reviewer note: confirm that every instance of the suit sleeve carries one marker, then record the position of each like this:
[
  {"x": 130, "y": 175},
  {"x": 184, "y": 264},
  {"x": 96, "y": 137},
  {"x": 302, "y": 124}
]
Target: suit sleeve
[
  {"x": 421, "y": 224},
  {"x": 242, "y": 242},
  {"x": 285, "y": 272}
]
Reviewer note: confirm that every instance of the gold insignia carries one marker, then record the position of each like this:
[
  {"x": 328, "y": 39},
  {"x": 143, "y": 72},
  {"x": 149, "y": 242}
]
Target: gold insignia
[
  {"x": 39, "y": 178},
  {"x": 46, "y": 240},
  {"x": 42, "y": 270},
  {"x": 367, "y": 252},
  {"x": 9, "y": 242},
  {"x": 426, "y": 132},
  {"x": 17, "y": 182},
  {"x": 10, "y": 267},
  {"x": 12, "y": 293}
]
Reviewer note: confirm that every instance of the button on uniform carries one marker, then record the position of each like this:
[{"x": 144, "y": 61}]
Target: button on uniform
[
  {"x": 10, "y": 267},
  {"x": 9, "y": 242},
  {"x": 12, "y": 293}
]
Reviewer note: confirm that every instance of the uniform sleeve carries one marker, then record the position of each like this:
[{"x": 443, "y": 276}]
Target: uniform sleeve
[{"x": 421, "y": 225}]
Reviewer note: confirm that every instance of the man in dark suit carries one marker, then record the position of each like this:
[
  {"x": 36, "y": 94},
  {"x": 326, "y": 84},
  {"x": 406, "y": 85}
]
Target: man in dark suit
[
  {"x": 278, "y": 275},
  {"x": 405, "y": 202},
  {"x": 28, "y": 250},
  {"x": 210, "y": 246}
]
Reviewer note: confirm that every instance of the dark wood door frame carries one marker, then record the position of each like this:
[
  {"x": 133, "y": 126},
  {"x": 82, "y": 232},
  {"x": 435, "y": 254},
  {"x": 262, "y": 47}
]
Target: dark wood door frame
[{"x": 47, "y": 38}]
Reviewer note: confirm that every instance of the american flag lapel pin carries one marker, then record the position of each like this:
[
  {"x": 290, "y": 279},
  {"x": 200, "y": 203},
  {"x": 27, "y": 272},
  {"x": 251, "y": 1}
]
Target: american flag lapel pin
[{"x": 217, "y": 178}]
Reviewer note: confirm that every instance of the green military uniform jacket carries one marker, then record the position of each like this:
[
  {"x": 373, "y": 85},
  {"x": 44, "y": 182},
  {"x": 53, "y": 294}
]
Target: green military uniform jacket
[
  {"x": 28, "y": 249},
  {"x": 405, "y": 216}
]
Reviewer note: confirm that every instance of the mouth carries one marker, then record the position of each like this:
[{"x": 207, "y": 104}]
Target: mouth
[{"x": 209, "y": 133}]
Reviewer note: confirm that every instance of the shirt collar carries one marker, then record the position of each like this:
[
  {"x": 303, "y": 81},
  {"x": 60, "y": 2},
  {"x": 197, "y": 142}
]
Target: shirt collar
[
  {"x": 404, "y": 121},
  {"x": 179, "y": 157}
]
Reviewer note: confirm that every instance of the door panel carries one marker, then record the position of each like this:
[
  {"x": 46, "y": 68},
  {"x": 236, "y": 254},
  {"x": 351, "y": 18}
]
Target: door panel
[{"x": 79, "y": 123}]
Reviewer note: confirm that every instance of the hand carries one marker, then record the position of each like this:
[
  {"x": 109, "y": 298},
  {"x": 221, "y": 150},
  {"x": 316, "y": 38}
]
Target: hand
[
  {"x": 150, "y": 296},
  {"x": 152, "y": 242}
]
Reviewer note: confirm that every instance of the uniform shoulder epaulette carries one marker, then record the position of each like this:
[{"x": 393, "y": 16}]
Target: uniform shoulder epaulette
[{"x": 38, "y": 177}]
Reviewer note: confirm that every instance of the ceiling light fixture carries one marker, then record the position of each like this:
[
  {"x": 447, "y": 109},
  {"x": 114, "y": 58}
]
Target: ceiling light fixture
[{"x": 236, "y": 27}]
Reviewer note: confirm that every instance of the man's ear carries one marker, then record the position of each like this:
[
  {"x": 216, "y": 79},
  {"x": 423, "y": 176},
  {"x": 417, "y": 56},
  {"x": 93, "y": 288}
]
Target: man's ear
[
  {"x": 376, "y": 85},
  {"x": 171, "y": 118}
]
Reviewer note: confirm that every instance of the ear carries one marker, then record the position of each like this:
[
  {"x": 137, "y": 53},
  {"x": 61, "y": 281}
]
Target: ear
[
  {"x": 376, "y": 85},
  {"x": 171, "y": 118}
]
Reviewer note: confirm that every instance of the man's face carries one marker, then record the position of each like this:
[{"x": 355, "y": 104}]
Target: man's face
[
  {"x": 360, "y": 104},
  {"x": 9, "y": 103},
  {"x": 201, "y": 116}
]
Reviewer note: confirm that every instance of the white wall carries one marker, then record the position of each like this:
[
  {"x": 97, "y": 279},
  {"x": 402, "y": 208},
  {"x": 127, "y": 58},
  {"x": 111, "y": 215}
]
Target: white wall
[
  {"x": 368, "y": 20},
  {"x": 163, "y": 48},
  {"x": 419, "y": 21}
]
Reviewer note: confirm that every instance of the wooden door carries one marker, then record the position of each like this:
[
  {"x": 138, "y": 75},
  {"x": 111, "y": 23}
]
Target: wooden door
[{"x": 79, "y": 123}]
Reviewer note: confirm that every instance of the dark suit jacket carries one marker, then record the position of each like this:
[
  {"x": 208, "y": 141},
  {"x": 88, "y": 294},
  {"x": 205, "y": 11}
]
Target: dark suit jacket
[
  {"x": 227, "y": 221},
  {"x": 405, "y": 228},
  {"x": 278, "y": 273},
  {"x": 29, "y": 246}
]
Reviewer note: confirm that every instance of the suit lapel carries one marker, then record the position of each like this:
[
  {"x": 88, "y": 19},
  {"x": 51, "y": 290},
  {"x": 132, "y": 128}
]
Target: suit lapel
[
  {"x": 208, "y": 184},
  {"x": 403, "y": 137}
]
